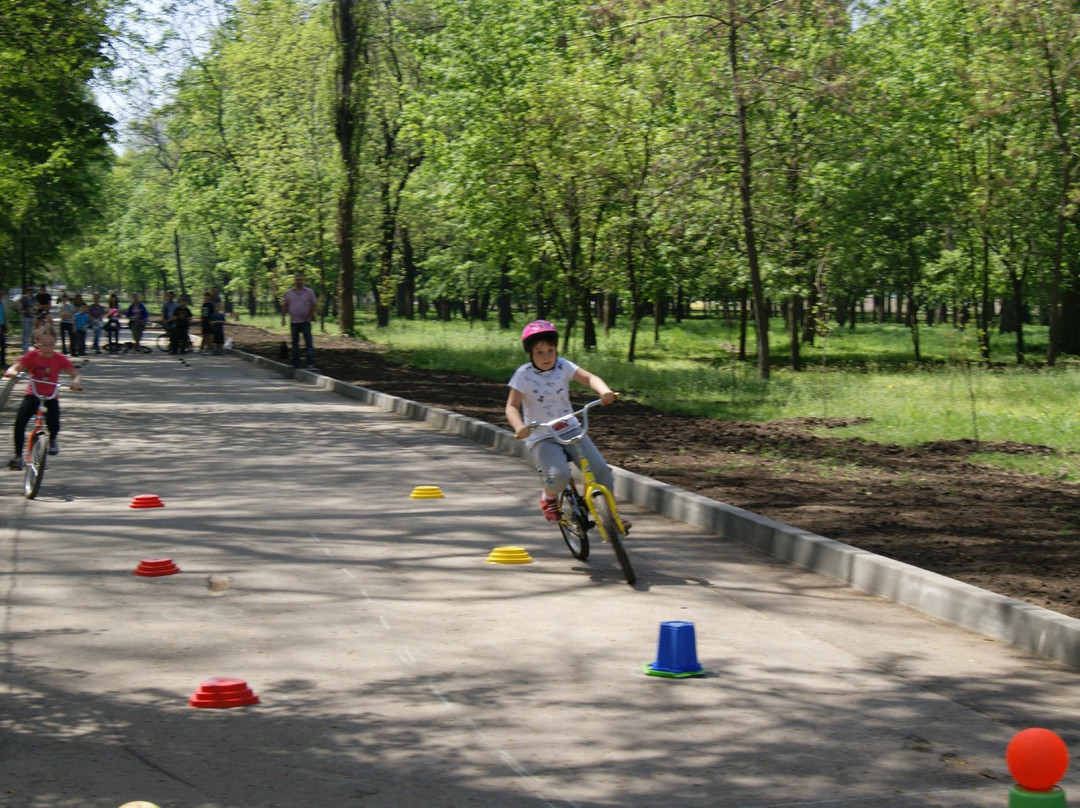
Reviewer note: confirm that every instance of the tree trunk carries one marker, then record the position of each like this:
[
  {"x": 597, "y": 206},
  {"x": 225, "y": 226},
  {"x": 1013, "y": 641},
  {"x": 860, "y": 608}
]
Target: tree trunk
[
  {"x": 635, "y": 293},
  {"x": 350, "y": 106},
  {"x": 794, "y": 315},
  {"x": 406, "y": 291},
  {"x": 179, "y": 266},
  {"x": 505, "y": 301},
  {"x": 1070, "y": 322},
  {"x": 761, "y": 315},
  {"x": 985, "y": 304},
  {"x": 611, "y": 308},
  {"x": 588, "y": 325},
  {"x": 1053, "y": 343},
  {"x": 809, "y": 315},
  {"x": 742, "y": 324},
  {"x": 1016, "y": 282},
  {"x": 915, "y": 334}
]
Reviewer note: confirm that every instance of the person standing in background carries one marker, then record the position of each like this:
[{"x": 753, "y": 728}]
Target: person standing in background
[
  {"x": 299, "y": 307},
  {"x": 78, "y": 335},
  {"x": 67, "y": 324},
  {"x": 44, "y": 302},
  {"x": 137, "y": 317},
  {"x": 97, "y": 321},
  {"x": 204, "y": 321},
  {"x": 27, "y": 306}
]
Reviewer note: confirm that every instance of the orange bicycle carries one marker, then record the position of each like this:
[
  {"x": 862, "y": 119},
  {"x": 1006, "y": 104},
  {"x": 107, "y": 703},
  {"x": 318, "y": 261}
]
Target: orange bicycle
[{"x": 37, "y": 445}]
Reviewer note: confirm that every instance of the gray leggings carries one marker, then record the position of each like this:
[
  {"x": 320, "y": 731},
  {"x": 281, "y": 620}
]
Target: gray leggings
[{"x": 551, "y": 461}]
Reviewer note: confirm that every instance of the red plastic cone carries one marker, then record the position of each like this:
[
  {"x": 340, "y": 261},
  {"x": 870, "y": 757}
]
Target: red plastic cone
[
  {"x": 147, "y": 501},
  {"x": 221, "y": 692},
  {"x": 156, "y": 567}
]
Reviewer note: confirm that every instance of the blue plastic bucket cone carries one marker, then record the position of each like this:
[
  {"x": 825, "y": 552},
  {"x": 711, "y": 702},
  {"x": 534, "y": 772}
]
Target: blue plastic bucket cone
[{"x": 676, "y": 653}]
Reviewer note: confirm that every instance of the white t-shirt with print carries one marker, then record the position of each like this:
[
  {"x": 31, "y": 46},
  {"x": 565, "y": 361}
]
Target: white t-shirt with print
[{"x": 545, "y": 395}]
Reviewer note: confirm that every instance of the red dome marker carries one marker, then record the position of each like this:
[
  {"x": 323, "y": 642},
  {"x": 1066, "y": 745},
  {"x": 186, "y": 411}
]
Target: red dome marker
[
  {"x": 147, "y": 501},
  {"x": 221, "y": 692},
  {"x": 156, "y": 567}
]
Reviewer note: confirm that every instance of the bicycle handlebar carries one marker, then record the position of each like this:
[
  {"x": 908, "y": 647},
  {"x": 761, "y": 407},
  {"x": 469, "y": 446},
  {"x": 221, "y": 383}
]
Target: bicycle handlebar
[
  {"x": 34, "y": 383},
  {"x": 583, "y": 412}
]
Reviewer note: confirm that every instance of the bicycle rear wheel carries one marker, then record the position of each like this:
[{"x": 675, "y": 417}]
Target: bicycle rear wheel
[
  {"x": 614, "y": 535},
  {"x": 34, "y": 471},
  {"x": 163, "y": 341},
  {"x": 574, "y": 523}
]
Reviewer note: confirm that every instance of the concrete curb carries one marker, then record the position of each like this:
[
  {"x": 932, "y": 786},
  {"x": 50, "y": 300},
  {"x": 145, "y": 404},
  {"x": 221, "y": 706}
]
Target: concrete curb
[{"x": 1032, "y": 628}]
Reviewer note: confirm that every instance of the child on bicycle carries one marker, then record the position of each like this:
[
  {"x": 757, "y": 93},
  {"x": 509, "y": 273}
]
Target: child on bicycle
[
  {"x": 540, "y": 391},
  {"x": 43, "y": 364}
]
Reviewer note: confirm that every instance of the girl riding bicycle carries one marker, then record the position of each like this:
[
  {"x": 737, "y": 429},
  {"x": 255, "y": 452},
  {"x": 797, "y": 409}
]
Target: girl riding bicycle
[
  {"x": 43, "y": 365},
  {"x": 540, "y": 391}
]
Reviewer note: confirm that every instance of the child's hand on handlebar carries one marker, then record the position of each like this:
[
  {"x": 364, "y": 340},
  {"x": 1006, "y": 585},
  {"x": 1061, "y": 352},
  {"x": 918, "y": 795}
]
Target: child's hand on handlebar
[
  {"x": 522, "y": 433},
  {"x": 608, "y": 397}
]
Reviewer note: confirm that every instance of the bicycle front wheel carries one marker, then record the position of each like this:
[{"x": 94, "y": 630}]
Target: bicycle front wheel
[
  {"x": 574, "y": 523},
  {"x": 613, "y": 535},
  {"x": 34, "y": 471},
  {"x": 163, "y": 342}
]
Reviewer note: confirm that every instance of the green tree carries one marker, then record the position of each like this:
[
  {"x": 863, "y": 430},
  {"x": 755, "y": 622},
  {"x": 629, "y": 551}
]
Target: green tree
[{"x": 53, "y": 136}]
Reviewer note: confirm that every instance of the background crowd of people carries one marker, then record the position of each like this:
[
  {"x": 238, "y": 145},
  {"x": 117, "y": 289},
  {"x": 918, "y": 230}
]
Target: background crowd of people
[{"x": 78, "y": 325}]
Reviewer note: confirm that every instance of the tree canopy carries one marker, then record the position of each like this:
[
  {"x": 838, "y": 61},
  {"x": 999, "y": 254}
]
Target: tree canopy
[
  {"x": 54, "y": 152},
  {"x": 585, "y": 161}
]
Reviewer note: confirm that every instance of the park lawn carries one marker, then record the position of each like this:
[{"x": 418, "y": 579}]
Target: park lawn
[{"x": 867, "y": 373}]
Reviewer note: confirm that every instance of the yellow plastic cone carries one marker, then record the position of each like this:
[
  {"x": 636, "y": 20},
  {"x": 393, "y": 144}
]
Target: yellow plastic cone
[
  {"x": 509, "y": 555},
  {"x": 426, "y": 492}
]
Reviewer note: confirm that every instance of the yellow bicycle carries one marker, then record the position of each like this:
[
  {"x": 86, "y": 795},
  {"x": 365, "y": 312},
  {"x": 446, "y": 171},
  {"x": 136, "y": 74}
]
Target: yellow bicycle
[{"x": 594, "y": 505}]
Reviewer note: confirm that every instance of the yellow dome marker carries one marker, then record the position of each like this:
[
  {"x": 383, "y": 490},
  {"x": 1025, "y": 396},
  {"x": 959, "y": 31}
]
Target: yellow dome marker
[
  {"x": 426, "y": 492},
  {"x": 509, "y": 555}
]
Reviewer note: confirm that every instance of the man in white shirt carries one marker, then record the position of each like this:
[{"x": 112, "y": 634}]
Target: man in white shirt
[{"x": 299, "y": 306}]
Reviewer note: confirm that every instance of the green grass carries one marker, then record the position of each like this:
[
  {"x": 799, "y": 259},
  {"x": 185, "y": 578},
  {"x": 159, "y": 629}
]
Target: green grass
[
  {"x": 1061, "y": 467},
  {"x": 870, "y": 375}
]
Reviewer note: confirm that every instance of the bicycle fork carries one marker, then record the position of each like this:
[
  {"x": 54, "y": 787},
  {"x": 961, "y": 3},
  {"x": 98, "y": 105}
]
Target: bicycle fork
[
  {"x": 37, "y": 429},
  {"x": 591, "y": 488}
]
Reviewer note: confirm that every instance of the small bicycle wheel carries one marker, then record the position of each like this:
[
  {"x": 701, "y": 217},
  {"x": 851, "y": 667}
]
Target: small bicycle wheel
[
  {"x": 614, "y": 535},
  {"x": 574, "y": 523},
  {"x": 34, "y": 470},
  {"x": 163, "y": 342}
]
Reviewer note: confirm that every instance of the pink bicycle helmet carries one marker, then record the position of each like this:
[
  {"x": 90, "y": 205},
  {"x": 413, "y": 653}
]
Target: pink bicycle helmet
[{"x": 536, "y": 329}]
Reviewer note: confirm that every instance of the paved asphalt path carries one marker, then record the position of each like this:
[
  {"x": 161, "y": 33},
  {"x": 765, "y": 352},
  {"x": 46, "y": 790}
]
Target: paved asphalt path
[{"x": 397, "y": 669}]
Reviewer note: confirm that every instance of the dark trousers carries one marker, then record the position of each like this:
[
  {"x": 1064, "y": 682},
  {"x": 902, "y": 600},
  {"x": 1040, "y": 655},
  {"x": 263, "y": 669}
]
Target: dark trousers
[
  {"x": 178, "y": 338},
  {"x": 305, "y": 329},
  {"x": 3, "y": 345},
  {"x": 27, "y": 411},
  {"x": 78, "y": 342},
  {"x": 67, "y": 333}
]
